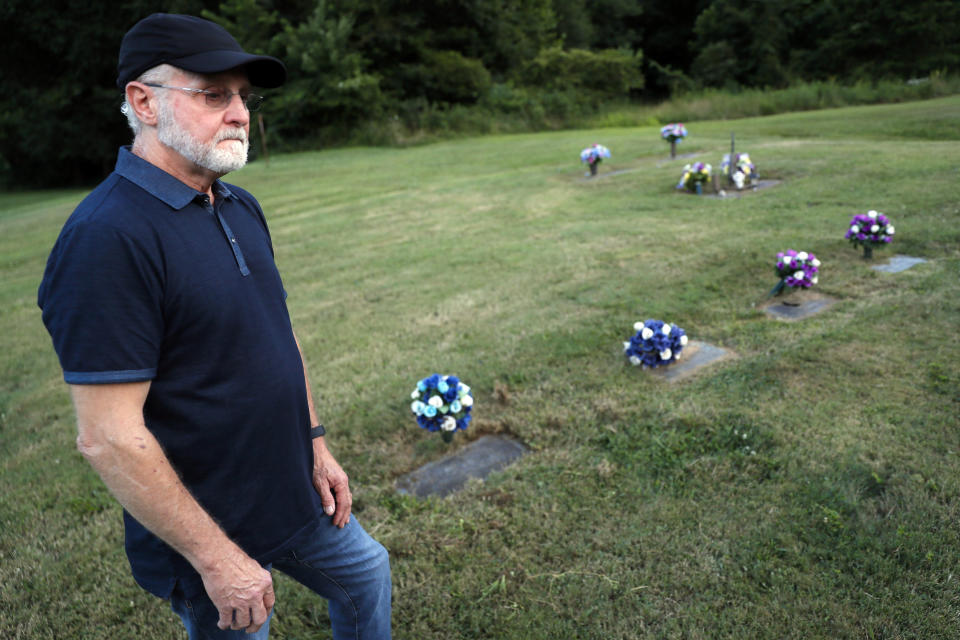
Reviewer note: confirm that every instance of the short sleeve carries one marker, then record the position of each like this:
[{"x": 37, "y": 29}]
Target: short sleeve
[{"x": 101, "y": 298}]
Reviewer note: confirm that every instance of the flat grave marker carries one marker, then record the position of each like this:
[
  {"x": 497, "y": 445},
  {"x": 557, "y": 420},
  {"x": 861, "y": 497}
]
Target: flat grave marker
[
  {"x": 694, "y": 357},
  {"x": 735, "y": 193},
  {"x": 802, "y": 308},
  {"x": 898, "y": 263},
  {"x": 449, "y": 474}
]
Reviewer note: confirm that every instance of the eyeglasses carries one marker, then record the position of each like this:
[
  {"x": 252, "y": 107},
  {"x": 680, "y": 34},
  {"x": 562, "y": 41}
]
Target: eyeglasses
[{"x": 218, "y": 98}]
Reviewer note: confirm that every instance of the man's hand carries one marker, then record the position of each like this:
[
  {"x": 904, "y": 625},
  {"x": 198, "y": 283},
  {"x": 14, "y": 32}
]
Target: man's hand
[
  {"x": 331, "y": 483},
  {"x": 242, "y": 591}
]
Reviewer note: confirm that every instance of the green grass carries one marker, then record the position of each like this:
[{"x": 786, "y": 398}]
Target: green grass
[{"x": 807, "y": 488}]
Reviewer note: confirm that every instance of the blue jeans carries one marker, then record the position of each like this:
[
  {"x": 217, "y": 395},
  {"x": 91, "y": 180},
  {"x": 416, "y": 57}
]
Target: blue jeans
[{"x": 346, "y": 566}]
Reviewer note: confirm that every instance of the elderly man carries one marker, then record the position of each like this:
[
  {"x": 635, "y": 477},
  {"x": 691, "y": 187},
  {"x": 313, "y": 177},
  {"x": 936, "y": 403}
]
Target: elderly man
[{"x": 170, "y": 321}]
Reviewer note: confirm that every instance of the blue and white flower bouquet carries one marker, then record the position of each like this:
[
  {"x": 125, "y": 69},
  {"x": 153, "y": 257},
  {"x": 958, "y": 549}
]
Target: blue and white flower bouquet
[
  {"x": 739, "y": 170},
  {"x": 442, "y": 403},
  {"x": 655, "y": 343},
  {"x": 869, "y": 230},
  {"x": 674, "y": 132},
  {"x": 694, "y": 176},
  {"x": 593, "y": 156},
  {"x": 796, "y": 269}
]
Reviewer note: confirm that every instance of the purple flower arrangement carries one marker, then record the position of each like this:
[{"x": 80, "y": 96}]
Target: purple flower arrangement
[
  {"x": 655, "y": 343},
  {"x": 442, "y": 403},
  {"x": 796, "y": 269},
  {"x": 870, "y": 229}
]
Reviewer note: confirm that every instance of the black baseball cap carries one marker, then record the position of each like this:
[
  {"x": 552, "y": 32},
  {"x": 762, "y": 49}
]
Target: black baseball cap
[{"x": 192, "y": 44}]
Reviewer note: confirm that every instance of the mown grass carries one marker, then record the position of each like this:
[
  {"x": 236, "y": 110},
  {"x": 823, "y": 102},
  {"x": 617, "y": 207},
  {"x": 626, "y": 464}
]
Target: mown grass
[{"x": 807, "y": 488}]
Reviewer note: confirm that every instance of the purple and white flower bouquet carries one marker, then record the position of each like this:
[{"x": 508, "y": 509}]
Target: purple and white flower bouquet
[
  {"x": 797, "y": 270},
  {"x": 442, "y": 403},
  {"x": 869, "y": 230},
  {"x": 655, "y": 343}
]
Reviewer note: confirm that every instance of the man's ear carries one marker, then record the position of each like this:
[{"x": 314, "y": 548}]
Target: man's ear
[{"x": 143, "y": 102}]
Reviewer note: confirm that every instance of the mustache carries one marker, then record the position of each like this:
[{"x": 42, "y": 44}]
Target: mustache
[{"x": 232, "y": 134}]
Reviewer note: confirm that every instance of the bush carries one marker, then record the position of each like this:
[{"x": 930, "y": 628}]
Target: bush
[
  {"x": 611, "y": 72},
  {"x": 447, "y": 76}
]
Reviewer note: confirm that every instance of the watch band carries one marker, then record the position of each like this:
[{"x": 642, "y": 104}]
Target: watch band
[{"x": 317, "y": 431}]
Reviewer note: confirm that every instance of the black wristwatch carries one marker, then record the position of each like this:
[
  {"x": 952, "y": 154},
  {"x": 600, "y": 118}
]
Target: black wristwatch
[{"x": 317, "y": 431}]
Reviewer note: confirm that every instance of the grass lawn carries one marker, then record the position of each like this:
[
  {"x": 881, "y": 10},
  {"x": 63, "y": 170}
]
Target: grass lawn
[{"x": 806, "y": 488}]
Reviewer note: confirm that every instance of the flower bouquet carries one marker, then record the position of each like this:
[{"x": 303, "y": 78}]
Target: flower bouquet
[
  {"x": 738, "y": 171},
  {"x": 796, "y": 269},
  {"x": 673, "y": 133},
  {"x": 655, "y": 343},
  {"x": 593, "y": 156},
  {"x": 870, "y": 230},
  {"x": 442, "y": 403},
  {"x": 694, "y": 175}
]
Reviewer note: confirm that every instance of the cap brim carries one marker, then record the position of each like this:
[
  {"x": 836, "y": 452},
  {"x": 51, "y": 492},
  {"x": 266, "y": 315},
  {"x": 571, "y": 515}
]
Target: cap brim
[{"x": 262, "y": 71}]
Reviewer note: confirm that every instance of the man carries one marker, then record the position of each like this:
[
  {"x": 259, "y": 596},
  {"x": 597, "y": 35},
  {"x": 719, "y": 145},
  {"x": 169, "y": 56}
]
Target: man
[{"x": 193, "y": 403}]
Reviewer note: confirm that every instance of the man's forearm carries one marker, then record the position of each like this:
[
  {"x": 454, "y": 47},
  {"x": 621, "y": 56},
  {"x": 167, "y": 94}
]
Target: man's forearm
[
  {"x": 114, "y": 438},
  {"x": 134, "y": 467}
]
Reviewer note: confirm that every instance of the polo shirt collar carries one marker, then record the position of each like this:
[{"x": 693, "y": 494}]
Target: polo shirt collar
[{"x": 159, "y": 183}]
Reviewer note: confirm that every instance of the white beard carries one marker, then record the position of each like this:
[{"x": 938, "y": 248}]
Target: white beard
[{"x": 214, "y": 157}]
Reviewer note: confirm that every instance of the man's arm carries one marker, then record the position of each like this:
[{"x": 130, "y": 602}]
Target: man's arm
[
  {"x": 329, "y": 479},
  {"x": 114, "y": 439}
]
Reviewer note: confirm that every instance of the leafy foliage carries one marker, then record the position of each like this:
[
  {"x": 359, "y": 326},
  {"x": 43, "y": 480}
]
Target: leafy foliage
[
  {"x": 356, "y": 64},
  {"x": 59, "y": 121},
  {"x": 448, "y": 76},
  {"x": 611, "y": 72}
]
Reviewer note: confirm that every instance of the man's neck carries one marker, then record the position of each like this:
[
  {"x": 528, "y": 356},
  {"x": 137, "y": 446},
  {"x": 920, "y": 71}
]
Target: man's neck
[{"x": 166, "y": 159}]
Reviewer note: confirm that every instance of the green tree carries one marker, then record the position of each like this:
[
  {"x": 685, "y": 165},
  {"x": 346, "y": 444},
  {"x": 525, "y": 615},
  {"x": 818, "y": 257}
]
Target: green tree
[
  {"x": 666, "y": 35},
  {"x": 741, "y": 42},
  {"x": 574, "y": 27},
  {"x": 255, "y": 21},
  {"x": 329, "y": 86},
  {"x": 611, "y": 72},
  {"x": 616, "y": 24},
  {"x": 449, "y": 77},
  {"x": 60, "y": 122},
  {"x": 883, "y": 38}
]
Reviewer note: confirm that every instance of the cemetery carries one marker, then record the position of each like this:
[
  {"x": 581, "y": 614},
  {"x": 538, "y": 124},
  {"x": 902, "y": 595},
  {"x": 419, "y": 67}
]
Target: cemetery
[{"x": 575, "y": 407}]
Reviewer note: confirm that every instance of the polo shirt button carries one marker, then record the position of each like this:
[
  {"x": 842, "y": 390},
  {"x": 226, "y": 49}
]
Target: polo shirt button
[{"x": 233, "y": 240}]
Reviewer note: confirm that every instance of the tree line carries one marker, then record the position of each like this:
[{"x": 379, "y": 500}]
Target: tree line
[{"x": 352, "y": 62}]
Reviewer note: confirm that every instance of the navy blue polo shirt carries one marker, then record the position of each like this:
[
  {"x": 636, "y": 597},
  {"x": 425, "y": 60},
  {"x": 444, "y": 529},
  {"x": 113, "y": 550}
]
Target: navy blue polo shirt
[{"x": 149, "y": 281}]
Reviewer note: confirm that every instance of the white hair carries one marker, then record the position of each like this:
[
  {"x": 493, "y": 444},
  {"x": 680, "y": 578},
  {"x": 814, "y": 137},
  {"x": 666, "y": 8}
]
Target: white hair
[{"x": 159, "y": 74}]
